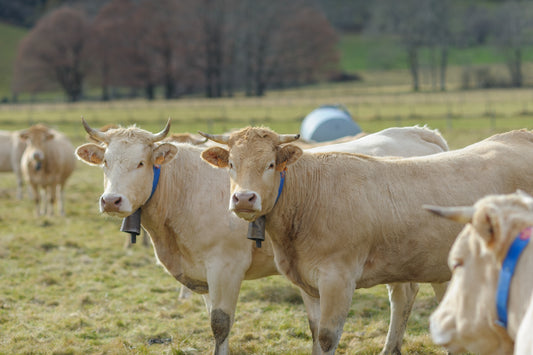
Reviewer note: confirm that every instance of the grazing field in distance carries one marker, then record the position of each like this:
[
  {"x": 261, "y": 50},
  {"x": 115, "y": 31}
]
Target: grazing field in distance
[{"x": 70, "y": 287}]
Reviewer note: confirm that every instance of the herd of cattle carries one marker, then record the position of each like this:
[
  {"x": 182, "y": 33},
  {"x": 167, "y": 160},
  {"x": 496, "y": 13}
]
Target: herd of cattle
[{"x": 342, "y": 216}]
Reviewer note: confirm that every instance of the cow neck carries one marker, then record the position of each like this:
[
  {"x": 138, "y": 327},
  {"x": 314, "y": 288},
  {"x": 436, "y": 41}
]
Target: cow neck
[
  {"x": 157, "y": 173},
  {"x": 506, "y": 274},
  {"x": 281, "y": 183},
  {"x": 132, "y": 223},
  {"x": 256, "y": 229}
]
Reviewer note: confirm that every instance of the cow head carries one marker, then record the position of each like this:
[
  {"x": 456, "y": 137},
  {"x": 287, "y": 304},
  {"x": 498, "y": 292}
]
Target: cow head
[
  {"x": 466, "y": 317},
  {"x": 127, "y": 156},
  {"x": 35, "y": 138},
  {"x": 255, "y": 158}
]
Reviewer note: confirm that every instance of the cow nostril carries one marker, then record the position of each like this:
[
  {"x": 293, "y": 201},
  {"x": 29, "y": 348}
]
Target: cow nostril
[
  {"x": 118, "y": 201},
  {"x": 235, "y": 198},
  {"x": 252, "y": 198}
]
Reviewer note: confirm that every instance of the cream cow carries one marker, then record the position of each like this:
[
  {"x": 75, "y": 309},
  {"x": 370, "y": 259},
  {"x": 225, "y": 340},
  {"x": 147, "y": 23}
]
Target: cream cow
[
  {"x": 204, "y": 251},
  {"x": 345, "y": 221},
  {"x": 11, "y": 149},
  {"x": 46, "y": 164},
  {"x": 467, "y": 319}
]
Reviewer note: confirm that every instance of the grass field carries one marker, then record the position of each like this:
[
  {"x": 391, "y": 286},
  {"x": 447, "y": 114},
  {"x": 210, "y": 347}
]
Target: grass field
[{"x": 69, "y": 286}]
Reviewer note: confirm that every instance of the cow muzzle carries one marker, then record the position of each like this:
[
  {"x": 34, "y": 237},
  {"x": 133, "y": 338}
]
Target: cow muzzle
[
  {"x": 115, "y": 204},
  {"x": 245, "y": 204}
]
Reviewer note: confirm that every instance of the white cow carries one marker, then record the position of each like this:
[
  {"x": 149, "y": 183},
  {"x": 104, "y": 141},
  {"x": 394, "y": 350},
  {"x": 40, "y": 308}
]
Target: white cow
[
  {"x": 466, "y": 318},
  {"x": 205, "y": 252},
  {"x": 47, "y": 163},
  {"x": 345, "y": 221},
  {"x": 397, "y": 141},
  {"x": 11, "y": 149}
]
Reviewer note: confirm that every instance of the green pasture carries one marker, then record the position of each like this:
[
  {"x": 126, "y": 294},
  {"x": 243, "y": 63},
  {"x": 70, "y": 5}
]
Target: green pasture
[{"x": 70, "y": 287}]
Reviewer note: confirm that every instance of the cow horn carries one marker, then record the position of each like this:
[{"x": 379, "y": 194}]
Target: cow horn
[
  {"x": 287, "y": 138},
  {"x": 219, "y": 138},
  {"x": 94, "y": 133},
  {"x": 159, "y": 136},
  {"x": 458, "y": 214}
]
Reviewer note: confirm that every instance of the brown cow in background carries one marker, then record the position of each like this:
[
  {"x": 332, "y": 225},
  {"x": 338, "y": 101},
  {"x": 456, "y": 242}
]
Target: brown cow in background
[{"x": 46, "y": 164}]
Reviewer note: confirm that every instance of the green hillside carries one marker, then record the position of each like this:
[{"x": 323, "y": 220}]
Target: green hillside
[{"x": 9, "y": 38}]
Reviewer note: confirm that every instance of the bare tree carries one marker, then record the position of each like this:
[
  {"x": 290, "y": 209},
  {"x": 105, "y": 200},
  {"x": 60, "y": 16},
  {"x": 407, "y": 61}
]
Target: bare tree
[
  {"x": 53, "y": 54},
  {"x": 512, "y": 34},
  {"x": 419, "y": 24},
  {"x": 108, "y": 45}
]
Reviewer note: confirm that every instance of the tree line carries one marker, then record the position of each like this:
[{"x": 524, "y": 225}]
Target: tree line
[
  {"x": 184, "y": 46},
  {"x": 219, "y": 47}
]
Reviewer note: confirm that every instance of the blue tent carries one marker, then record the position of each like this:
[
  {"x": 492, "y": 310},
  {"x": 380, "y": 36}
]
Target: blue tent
[{"x": 327, "y": 123}]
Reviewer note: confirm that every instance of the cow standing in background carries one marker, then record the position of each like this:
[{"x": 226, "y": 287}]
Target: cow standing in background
[
  {"x": 466, "y": 320},
  {"x": 46, "y": 164},
  {"x": 341, "y": 221},
  {"x": 11, "y": 150},
  {"x": 195, "y": 237}
]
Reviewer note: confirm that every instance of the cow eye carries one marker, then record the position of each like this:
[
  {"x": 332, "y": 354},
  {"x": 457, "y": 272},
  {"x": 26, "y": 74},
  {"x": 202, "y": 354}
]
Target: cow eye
[
  {"x": 271, "y": 166},
  {"x": 456, "y": 264},
  {"x": 230, "y": 165},
  {"x": 141, "y": 164},
  {"x": 105, "y": 163}
]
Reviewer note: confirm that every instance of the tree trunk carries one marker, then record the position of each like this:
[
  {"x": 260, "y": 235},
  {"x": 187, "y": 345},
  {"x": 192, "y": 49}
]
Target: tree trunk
[
  {"x": 443, "y": 67},
  {"x": 414, "y": 66},
  {"x": 515, "y": 67}
]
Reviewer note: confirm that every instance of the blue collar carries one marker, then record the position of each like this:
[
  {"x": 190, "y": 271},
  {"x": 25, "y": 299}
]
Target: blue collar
[
  {"x": 506, "y": 274},
  {"x": 157, "y": 172},
  {"x": 281, "y": 183}
]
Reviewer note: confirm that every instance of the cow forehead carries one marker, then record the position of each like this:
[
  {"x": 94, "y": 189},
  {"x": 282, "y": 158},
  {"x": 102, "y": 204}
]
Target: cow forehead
[
  {"x": 125, "y": 150},
  {"x": 253, "y": 136},
  {"x": 467, "y": 244}
]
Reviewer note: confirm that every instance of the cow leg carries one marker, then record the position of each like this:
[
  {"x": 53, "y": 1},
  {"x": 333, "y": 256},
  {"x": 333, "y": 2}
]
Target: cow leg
[
  {"x": 335, "y": 300},
  {"x": 20, "y": 184},
  {"x": 224, "y": 285},
  {"x": 312, "y": 306},
  {"x": 439, "y": 289},
  {"x": 401, "y": 297},
  {"x": 185, "y": 293},
  {"x": 61, "y": 199},
  {"x": 36, "y": 199},
  {"x": 51, "y": 200}
]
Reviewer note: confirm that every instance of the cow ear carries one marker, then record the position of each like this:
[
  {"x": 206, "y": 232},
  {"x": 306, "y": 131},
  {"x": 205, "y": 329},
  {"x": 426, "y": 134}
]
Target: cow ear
[
  {"x": 287, "y": 155},
  {"x": 216, "y": 156},
  {"x": 164, "y": 153},
  {"x": 487, "y": 223},
  {"x": 91, "y": 153}
]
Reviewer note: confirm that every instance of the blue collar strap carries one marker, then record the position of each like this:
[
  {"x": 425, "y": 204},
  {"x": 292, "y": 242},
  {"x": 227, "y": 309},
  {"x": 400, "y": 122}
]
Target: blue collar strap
[
  {"x": 281, "y": 183},
  {"x": 506, "y": 274},
  {"x": 157, "y": 172}
]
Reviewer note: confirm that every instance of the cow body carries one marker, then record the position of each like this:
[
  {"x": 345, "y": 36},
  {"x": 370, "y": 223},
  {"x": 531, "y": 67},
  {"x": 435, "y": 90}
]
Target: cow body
[
  {"x": 208, "y": 253},
  {"x": 46, "y": 164},
  {"x": 466, "y": 318},
  {"x": 347, "y": 221},
  {"x": 395, "y": 141},
  {"x": 11, "y": 150}
]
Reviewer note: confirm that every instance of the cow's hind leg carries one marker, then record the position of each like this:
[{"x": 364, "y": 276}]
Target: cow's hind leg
[
  {"x": 401, "y": 297},
  {"x": 312, "y": 306}
]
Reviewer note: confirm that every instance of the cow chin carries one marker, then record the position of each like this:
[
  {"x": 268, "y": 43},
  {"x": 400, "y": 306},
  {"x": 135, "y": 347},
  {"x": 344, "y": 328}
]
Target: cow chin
[{"x": 247, "y": 215}]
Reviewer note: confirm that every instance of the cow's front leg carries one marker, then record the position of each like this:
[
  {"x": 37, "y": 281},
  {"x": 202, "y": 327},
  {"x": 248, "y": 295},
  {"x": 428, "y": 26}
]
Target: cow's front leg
[
  {"x": 401, "y": 297},
  {"x": 36, "y": 199},
  {"x": 224, "y": 285},
  {"x": 312, "y": 306},
  {"x": 336, "y": 292}
]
